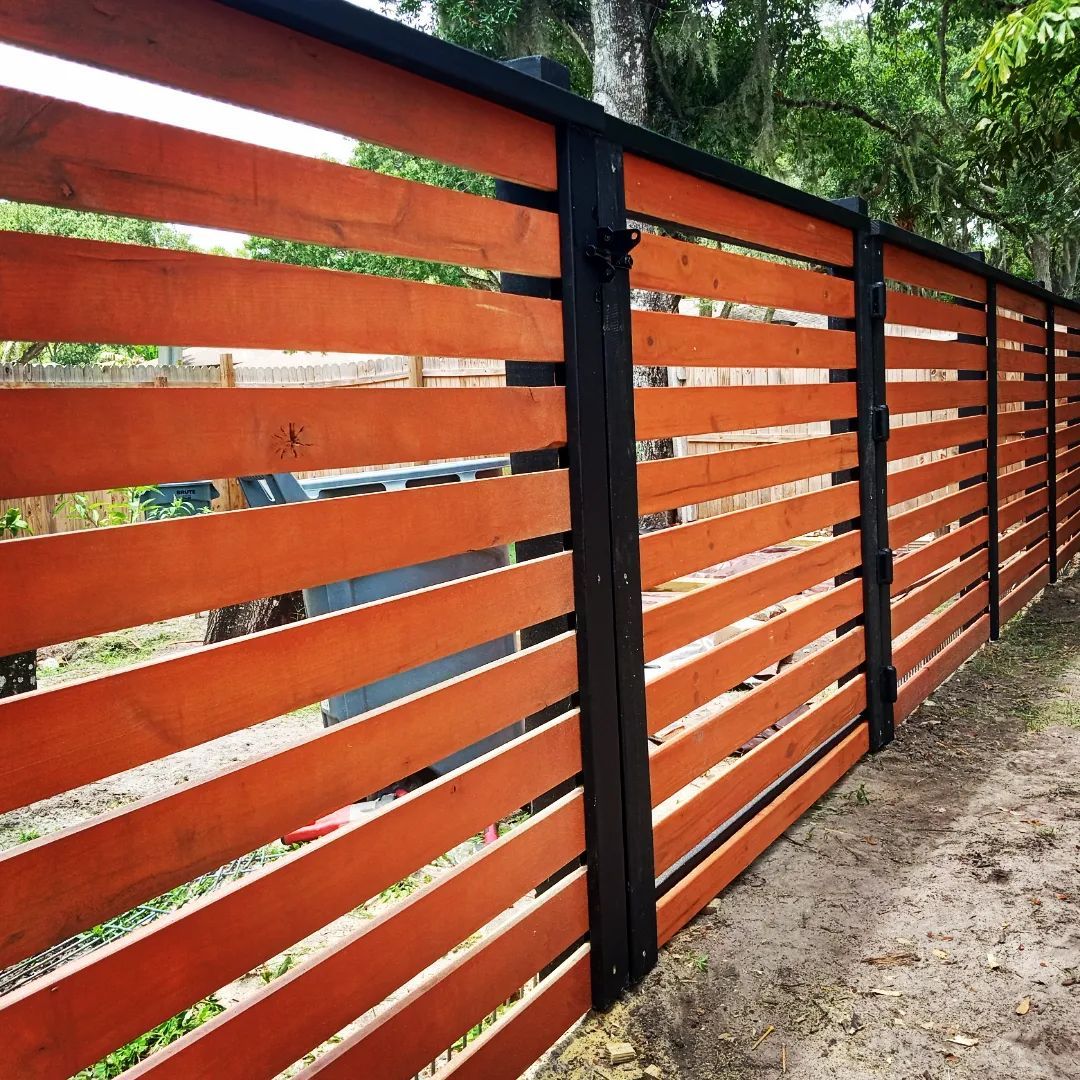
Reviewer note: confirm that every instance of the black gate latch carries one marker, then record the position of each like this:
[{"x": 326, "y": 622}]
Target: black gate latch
[{"x": 612, "y": 250}]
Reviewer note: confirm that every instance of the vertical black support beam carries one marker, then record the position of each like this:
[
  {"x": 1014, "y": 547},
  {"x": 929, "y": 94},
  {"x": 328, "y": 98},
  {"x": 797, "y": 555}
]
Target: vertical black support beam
[
  {"x": 970, "y": 410},
  {"x": 992, "y": 457},
  {"x": 872, "y": 425},
  {"x": 603, "y": 503},
  {"x": 841, "y": 427},
  {"x": 1051, "y": 441}
]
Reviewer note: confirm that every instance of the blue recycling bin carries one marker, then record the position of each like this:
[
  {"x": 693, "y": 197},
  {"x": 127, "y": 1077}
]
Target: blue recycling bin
[{"x": 279, "y": 488}]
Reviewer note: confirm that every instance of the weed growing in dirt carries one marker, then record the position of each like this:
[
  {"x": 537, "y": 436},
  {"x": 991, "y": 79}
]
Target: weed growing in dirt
[
  {"x": 269, "y": 972},
  {"x": 858, "y": 796},
  {"x": 157, "y": 1038},
  {"x": 26, "y": 835},
  {"x": 1064, "y": 711}
]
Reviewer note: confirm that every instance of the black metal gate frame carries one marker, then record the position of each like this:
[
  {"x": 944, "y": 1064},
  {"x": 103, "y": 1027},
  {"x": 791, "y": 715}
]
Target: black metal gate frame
[{"x": 600, "y": 451}]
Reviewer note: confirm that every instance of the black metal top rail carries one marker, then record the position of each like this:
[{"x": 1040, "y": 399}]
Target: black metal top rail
[{"x": 341, "y": 23}]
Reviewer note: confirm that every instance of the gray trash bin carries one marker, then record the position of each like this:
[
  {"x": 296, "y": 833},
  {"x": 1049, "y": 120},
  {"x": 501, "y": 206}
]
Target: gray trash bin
[
  {"x": 280, "y": 488},
  {"x": 198, "y": 494}
]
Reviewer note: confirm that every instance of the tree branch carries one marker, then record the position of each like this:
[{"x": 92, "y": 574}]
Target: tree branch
[{"x": 844, "y": 109}]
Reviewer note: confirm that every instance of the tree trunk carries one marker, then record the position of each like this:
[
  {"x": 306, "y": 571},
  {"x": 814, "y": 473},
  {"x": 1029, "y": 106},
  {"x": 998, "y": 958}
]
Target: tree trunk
[
  {"x": 252, "y": 616},
  {"x": 620, "y": 85},
  {"x": 18, "y": 673},
  {"x": 1038, "y": 250}
]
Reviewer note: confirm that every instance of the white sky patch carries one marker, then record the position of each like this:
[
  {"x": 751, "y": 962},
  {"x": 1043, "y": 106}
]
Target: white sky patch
[{"x": 52, "y": 77}]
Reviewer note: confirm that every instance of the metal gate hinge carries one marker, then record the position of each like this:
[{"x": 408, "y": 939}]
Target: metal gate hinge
[
  {"x": 885, "y": 566},
  {"x": 888, "y": 684},
  {"x": 877, "y": 299},
  {"x": 880, "y": 416},
  {"x": 612, "y": 249}
]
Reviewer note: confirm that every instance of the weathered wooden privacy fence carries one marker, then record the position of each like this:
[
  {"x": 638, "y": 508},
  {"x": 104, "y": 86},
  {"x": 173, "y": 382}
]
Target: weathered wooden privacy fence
[{"x": 644, "y": 807}]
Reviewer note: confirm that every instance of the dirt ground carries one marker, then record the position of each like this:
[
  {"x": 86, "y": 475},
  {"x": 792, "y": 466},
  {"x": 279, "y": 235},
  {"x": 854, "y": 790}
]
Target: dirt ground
[{"x": 922, "y": 921}]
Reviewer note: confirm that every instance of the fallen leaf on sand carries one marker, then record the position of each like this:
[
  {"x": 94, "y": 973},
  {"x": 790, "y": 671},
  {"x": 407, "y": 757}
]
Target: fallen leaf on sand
[
  {"x": 992, "y": 962},
  {"x": 964, "y": 1040},
  {"x": 941, "y": 954},
  {"x": 1024, "y": 1006},
  {"x": 885, "y": 993},
  {"x": 891, "y": 959}
]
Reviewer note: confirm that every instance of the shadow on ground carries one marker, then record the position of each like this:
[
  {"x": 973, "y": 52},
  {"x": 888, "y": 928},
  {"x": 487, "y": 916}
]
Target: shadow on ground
[{"x": 921, "y": 921}]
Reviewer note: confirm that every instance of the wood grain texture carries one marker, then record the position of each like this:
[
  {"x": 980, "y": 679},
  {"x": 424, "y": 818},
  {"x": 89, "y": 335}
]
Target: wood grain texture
[
  {"x": 415, "y": 1030},
  {"x": 121, "y": 436},
  {"x": 657, "y": 191},
  {"x": 910, "y": 440},
  {"x": 915, "y": 269},
  {"x": 1022, "y": 421},
  {"x": 77, "y": 584},
  {"x": 238, "y": 58},
  {"x": 920, "y": 479},
  {"x": 61, "y": 737},
  {"x": 915, "y": 566},
  {"x": 708, "y": 742},
  {"x": 922, "y": 684},
  {"x": 909, "y": 397},
  {"x": 923, "y": 353},
  {"x": 670, "y": 553},
  {"x": 233, "y": 930},
  {"x": 677, "y": 907},
  {"x": 663, "y": 339},
  {"x": 664, "y": 264},
  {"x": 923, "y": 641},
  {"x": 702, "y": 410},
  {"x": 691, "y": 820},
  {"x": 692, "y": 615},
  {"x": 912, "y": 524},
  {"x": 905, "y": 309},
  {"x": 924, "y": 600},
  {"x": 1014, "y": 300},
  {"x": 57, "y": 289},
  {"x": 684, "y": 481},
  {"x": 304, "y": 1007},
  {"x": 67, "y": 155}
]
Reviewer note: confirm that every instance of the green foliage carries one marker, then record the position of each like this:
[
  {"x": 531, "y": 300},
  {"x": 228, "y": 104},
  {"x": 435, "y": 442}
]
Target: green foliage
[
  {"x": 53, "y": 221},
  {"x": 406, "y": 166},
  {"x": 118, "y": 1062},
  {"x": 100, "y": 513},
  {"x": 12, "y": 523}
]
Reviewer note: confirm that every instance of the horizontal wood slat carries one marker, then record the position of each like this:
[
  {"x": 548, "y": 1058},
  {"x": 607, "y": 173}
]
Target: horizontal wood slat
[
  {"x": 922, "y": 601},
  {"x": 104, "y": 438},
  {"x": 657, "y": 191},
  {"x": 667, "y": 265},
  {"x": 677, "y": 907},
  {"x": 663, "y": 339},
  {"x": 910, "y": 525},
  {"x": 59, "y": 738},
  {"x": 705, "y": 610},
  {"x": 1010, "y": 358},
  {"x": 226, "y": 54},
  {"x": 913, "y": 567},
  {"x": 1012, "y": 390},
  {"x": 1018, "y": 509},
  {"x": 77, "y": 584},
  {"x": 905, "y": 309},
  {"x": 706, "y": 743},
  {"x": 921, "y": 685},
  {"x": 683, "y": 481},
  {"x": 922, "y": 642},
  {"x": 910, "y": 483},
  {"x": 1013, "y": 483},
  {"x": 915, "y": 269},
  {"x": 677, "y": 691},
  {"x": 233, "y": 930},
  {"x": 1020, "y": 568},
  {"x": 670, "y": 553},
  {"x": 1011, "y": 453},
  {"x": 282, "y": 1021},
  {"x": 1021, "y": 421},
  {"x": 704, "y": 410},
  {"x": 122, "y": 858},
  {"x": 71, "y": 156},
  {"x": 1027, "y": 534},
  {"x": 1013, "y": 300},
  {"x": 56, "y": 289},
  {"x": 521, "y": 1037},
  {"x": 690, "y": 821},
  {"x": 1026, "y": 592},
  {"x": 911, "y": 352},
  {"x": 406, "y": 1037},
  {"x": 909, "y": 440},
  {"x": 1024, "y": 332},
  {"x": 905, "y": 397}
]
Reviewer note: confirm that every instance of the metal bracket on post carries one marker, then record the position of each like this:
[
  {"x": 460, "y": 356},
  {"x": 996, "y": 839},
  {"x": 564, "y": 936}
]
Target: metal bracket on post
[
  {"x": 612, "y": 249},
  {"x": 607, "y": 578},
  {"x": 872, "y": 425}
]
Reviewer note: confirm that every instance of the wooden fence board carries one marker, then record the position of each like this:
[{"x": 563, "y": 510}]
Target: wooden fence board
[{"x": 915, "y": 269}]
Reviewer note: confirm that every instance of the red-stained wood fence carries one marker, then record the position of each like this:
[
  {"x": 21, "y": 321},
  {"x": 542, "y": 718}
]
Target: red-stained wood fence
[{"x": 666, "y": 743}]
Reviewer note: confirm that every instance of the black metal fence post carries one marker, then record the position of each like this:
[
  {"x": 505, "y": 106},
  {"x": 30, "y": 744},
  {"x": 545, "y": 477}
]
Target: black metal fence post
[
  {"x": 603, "y": 493},
  {"x": 872, "y": 425},
  {"x": 992, "y": 457},
  {"x": 1051, "y": 441}
]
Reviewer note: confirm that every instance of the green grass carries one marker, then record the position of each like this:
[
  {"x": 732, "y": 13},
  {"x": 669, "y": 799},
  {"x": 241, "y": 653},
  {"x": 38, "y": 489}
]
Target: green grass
[{"x": 1055, "y": 711}]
